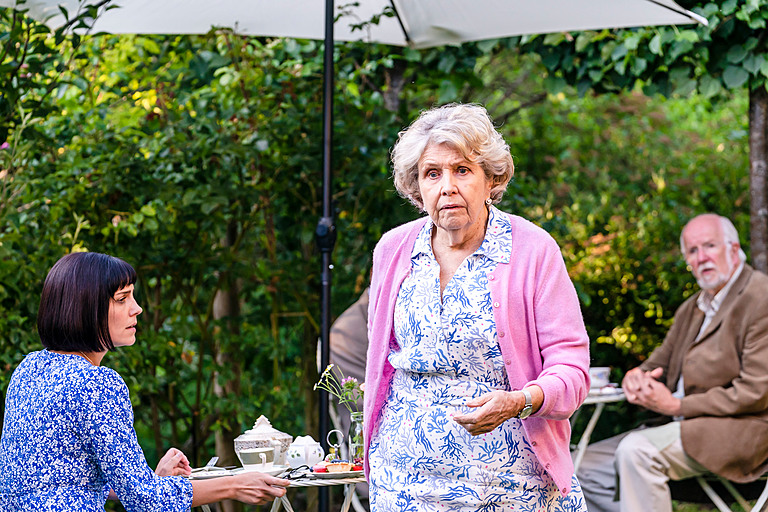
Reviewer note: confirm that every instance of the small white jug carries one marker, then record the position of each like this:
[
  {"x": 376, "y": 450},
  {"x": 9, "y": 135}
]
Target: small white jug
[{"x": 305, "y": 450}]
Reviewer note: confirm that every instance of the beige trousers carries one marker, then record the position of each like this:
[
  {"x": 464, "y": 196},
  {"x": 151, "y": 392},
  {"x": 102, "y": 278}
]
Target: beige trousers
[{"x": 642, "y": 461}]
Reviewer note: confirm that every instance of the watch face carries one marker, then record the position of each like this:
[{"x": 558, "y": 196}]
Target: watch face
[{"x": 525, "y": 412}]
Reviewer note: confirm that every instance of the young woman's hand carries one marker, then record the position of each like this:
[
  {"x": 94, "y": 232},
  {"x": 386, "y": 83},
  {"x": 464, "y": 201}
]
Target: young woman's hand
[
  {"x": 173, "y": 463},
  {"x": 251, "y": 487},
  {"x": 257, "y": 488}
]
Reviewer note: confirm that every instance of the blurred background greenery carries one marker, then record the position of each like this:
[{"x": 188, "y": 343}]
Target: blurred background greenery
[{"x": 197, "y": 159}]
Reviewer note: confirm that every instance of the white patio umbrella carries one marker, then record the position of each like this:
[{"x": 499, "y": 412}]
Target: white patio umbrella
[
  {"x": 415, "y": 23},
  {"x": 418, "y": 23}
]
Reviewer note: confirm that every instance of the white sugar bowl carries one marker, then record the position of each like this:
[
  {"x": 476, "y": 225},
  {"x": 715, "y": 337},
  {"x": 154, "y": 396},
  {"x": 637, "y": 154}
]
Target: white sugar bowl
[
  {"x": 304, "y": 450},
  {"x": 263, "y": 435}
]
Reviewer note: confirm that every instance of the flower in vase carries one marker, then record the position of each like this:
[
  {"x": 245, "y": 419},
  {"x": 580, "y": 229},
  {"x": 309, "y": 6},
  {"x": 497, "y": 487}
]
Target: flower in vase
[{"x": 346, "y": 390}]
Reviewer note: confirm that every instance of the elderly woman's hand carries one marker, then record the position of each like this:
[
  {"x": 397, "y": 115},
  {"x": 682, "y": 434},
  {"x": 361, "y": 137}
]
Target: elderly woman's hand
[{"x": 493, "y": 409}]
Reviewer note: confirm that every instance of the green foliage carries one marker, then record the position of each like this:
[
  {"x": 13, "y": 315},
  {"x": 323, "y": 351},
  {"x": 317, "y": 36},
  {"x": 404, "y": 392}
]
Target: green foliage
[{"x": 727, "y": 54}]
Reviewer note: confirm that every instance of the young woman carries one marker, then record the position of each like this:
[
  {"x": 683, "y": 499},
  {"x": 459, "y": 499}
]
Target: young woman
[{"x": 68, "y": 441}]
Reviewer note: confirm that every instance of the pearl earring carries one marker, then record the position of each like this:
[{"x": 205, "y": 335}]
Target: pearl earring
[{"x": 488, "y": 201}]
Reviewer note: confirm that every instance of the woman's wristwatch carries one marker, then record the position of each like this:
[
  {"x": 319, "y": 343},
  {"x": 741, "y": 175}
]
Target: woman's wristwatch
[{"x": 528, "y": 407}]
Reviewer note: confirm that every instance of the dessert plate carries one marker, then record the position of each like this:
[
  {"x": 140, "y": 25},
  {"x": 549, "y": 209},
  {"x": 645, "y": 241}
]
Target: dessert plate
[{"x": 338, "y": 474}]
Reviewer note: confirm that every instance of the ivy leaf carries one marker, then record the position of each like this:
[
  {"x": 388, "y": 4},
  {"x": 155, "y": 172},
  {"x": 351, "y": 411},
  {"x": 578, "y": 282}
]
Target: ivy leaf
[
  {"x": 728, "y": 7},
  {"x": 607, "y": 50},
  {"x": 487, "y": 45},
  {"x": 756, "y": 23},
  {"x": 709, "y": 86},
  {"x": 655, "y": 45},
  {"x": 595, "y": 75},
  {"x": 619, "y": 52},
  {"x": 753, "y": 63},
  {"x": 685, "y": 88},
  {"x": 632, "y": 42},
  {"x": 554, "y": 38},
  {"x": 639, "y": 65},
  {"x": 734, "y": 77},
  {"x": 583, "y": 40},
  {"x": 736, "y": 54},
  {"x": 551, "y": 60}
]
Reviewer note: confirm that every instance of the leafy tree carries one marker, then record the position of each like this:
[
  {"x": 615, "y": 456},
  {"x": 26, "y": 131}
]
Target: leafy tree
[{"x": 727, "y": 55}]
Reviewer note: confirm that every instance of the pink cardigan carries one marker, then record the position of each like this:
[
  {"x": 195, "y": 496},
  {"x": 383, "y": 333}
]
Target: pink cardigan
[{"x": 540, "y": 331}]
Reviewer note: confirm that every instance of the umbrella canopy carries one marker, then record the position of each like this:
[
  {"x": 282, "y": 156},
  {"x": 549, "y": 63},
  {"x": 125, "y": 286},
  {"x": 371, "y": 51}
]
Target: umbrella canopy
[{"x": 417, "y": 23}]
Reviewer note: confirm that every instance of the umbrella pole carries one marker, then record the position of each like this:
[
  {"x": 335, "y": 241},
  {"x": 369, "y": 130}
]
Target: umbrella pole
[{"x": 325, "y": 233}]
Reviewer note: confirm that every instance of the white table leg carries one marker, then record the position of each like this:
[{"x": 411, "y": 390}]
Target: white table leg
[
  {"x": 282, "y": 500},
  {"x": 584, "y": 441},
  {"x": 349, "y": 489}
]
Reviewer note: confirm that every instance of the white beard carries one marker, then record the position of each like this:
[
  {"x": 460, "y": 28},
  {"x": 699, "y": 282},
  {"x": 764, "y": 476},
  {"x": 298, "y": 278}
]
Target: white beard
[{"x": 718, "y": 280}]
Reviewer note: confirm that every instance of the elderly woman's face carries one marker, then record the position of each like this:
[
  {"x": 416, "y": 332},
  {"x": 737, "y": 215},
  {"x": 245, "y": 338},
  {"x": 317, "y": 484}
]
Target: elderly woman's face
[{"x": 453, "y": 190}]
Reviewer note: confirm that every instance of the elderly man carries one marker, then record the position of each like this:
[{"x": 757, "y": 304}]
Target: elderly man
[{"x": 710, "y": 376}]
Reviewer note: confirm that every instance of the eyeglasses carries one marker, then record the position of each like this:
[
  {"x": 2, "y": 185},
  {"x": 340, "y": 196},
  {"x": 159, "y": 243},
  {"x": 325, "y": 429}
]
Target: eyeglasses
[{"x": 295, "y": 473}]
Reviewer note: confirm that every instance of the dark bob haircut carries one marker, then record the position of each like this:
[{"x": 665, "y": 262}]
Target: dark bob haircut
[{"x": 74, "y": 305}]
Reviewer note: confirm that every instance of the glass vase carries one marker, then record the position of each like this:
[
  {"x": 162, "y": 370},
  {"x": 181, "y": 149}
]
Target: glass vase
[{"x": 355, "y": 437}]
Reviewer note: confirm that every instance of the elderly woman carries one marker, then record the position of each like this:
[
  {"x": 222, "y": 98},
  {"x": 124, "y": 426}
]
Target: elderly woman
[
  {"x": 478, "y": 353},
  {"x": 68, "y": 441}
]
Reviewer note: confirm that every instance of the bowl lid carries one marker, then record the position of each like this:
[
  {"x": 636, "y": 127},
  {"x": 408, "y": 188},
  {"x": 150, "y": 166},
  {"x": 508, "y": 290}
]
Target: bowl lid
[{"x": 263, "y": 429}]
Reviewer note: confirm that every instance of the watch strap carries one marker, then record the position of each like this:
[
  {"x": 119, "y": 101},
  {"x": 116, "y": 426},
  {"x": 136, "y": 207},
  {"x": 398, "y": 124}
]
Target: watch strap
[{"x": 528, "y": 407}]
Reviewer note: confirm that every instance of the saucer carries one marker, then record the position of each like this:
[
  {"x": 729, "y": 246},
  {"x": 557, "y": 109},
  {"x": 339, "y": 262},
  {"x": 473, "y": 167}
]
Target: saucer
[
  {"x": 274, "y": 470},
  {"x": 218, "y": 473}
]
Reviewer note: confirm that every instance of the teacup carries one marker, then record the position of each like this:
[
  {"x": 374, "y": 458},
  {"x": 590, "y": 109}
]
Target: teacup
[
  {"x": 259, "y": 459},
  {"x": 600, "y": 376}
]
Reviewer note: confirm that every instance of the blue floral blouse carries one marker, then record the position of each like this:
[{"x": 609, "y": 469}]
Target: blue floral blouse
[
  {"x": 68, "y": 439},
  {"x": 423, "y": 461}
]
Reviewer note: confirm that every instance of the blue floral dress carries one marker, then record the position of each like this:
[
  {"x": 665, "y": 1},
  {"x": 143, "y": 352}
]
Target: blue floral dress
[
  {"x": 68, "y": 439},
  {"x": 420, "y": 459}
]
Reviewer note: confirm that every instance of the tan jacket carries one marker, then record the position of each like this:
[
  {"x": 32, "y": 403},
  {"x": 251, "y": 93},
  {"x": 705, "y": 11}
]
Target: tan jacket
[{"x": 725, "y": 408}]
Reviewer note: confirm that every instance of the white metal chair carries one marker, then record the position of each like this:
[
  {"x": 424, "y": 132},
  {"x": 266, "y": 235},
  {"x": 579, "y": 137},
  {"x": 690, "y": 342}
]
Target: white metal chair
[{"x": 722, "y": 506}]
